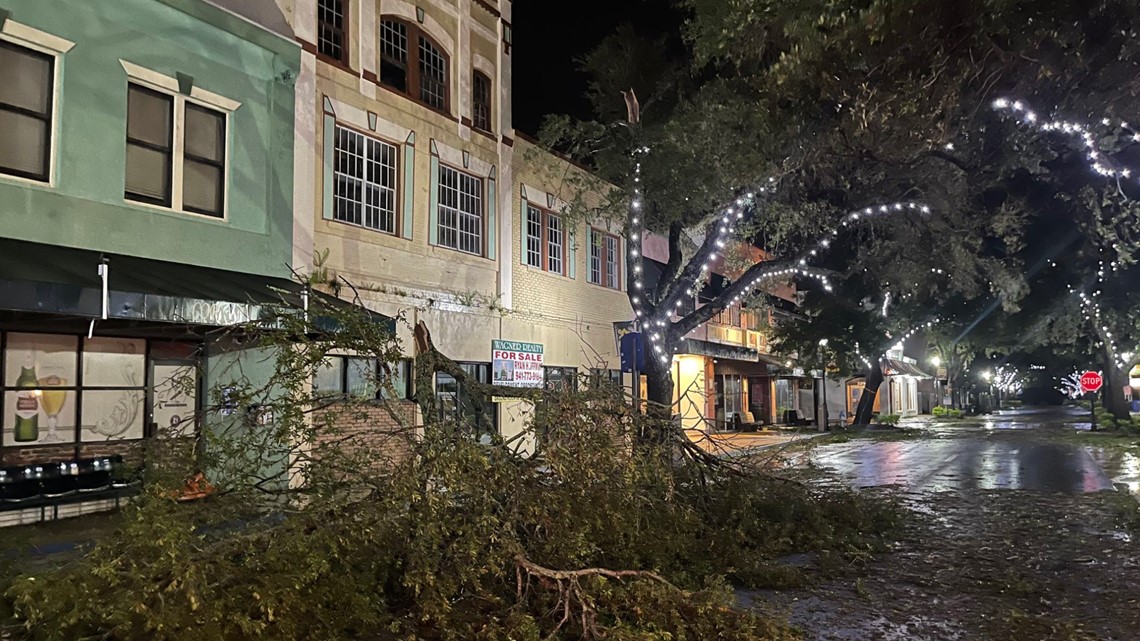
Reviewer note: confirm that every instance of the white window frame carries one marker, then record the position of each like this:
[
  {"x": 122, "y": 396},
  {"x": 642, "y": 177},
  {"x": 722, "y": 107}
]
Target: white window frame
[
  {"x": 545, "y": 218},
  {"x": 460, "y": 213},
  {"x": 43, "y": 42},
  {"x": 165, "y": 84},
  {"x": 599, "y": 240},
  {"x": 397, "y": 176}
]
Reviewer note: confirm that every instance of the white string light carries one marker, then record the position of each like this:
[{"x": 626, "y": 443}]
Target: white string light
[{"x": 1098, "y": 160}]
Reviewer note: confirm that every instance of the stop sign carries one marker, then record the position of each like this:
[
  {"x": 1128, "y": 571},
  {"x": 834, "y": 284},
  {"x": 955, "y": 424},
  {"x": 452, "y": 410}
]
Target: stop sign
[{"x": 1091, "y": 381}]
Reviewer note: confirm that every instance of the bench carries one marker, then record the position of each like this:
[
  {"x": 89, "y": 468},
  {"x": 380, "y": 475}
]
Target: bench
[
  {"x": 49, "y": 485},
  {"x": 794, "y": 418}
]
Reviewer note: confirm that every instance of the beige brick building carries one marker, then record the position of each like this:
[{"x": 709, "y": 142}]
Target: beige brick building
[{"x": 412, "y": 185}]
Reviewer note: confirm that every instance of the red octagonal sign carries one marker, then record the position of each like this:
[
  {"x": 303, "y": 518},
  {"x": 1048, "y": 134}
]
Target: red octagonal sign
[{"x": 1091, "y": 381}]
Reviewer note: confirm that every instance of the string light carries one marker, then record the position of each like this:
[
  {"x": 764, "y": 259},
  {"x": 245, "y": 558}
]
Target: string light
[{"x": 1097, "y": 159}]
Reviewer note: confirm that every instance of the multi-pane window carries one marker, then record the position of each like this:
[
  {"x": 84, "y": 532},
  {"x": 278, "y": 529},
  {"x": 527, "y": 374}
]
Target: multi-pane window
[
  {"x": 364, "y": 189},
  {"x": 545, "y": 240},
  {"x": 480, "y": 101},
  {"x": 413, "y": 64},
  {"x": 605, "y": 378},
  {"x": 560, "y": 378},
  {"x": 152, "y": 167},
  {"x": 150, "y": 145},
  {"x": 330, "y": 28},
  {"x": 204, "y": 168},
  {"x": 460, "y": 403},
  {"x": 433, "y": 75},
  {"x": 25, "y": 111},
  {"x": 604, "y": 259},
  {"x": 361, "y": 377},
  {"x": 460, "y": 211}
]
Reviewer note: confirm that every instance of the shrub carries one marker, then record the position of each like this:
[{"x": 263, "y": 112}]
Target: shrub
[
  {"x": 889, "y": 419},
  {"x": 938, "y": 411}
]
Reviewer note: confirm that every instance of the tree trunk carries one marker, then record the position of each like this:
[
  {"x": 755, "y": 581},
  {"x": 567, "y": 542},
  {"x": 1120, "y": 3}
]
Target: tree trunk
[
  {"x": 659, "y": 394},
  {"x": 863, "y": 413},
  {"x": 1113, "y": 390}
]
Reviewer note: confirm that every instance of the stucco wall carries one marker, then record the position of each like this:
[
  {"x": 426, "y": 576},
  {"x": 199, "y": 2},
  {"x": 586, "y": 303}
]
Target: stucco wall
[{"x": 84, "y": 206}]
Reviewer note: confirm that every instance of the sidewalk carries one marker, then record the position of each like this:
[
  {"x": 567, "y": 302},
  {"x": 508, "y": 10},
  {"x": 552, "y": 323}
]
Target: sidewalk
[{"x": 738, "y": 443}]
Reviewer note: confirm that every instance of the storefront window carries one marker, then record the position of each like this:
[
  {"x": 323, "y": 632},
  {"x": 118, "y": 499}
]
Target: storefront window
[
  {"x": 730, "y": 400},
  {"x": 457, "y": 402},
  {"x": 786, "y": 401},
  {"x": 63, "y": 389},
  {"x": 361, "y": 377}
]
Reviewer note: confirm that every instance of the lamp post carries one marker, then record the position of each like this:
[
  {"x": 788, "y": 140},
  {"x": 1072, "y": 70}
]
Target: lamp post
[
  {"x": 988, "y": 377},
  {"x": 823, "y": 384},
  {"x": 936, "y": 361}
]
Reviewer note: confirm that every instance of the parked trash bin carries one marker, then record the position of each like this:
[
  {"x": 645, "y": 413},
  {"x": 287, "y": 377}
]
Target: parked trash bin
[{"x": 1136, "y": 406}]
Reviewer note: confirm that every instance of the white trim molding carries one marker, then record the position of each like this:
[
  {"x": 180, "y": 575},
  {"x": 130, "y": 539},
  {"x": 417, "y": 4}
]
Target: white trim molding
[
  {"x": 157, "y": 80},
  {"x": 34, "y": 38},
  {"x": 449, "y": 155},
  {"x": 357, "y": 117}
]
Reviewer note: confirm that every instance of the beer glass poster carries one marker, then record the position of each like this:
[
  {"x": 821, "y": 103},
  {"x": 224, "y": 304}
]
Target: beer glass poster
[
  {"x": 516, "y": 364},
  {"x": 39, "y": 389}
]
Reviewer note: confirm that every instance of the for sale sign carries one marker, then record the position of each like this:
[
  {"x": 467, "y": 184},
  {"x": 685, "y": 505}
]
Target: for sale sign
[
  {"x": 1091, "y": 381},
  {"x": 515, "y": 364}
]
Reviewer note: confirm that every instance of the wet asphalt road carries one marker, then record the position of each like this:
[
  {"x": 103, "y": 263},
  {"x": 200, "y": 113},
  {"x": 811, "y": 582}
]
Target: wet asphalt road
[
  {"x": 1001, "y": 452},
  {"x": 1012, "y": 518}
]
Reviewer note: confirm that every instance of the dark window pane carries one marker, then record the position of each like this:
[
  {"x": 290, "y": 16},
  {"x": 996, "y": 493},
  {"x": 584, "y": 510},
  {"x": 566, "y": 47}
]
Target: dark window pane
[
  {"x": 23, "y": 144},
  {"x": 202, "y": 186},
  {"x": 205, "y": 133},
  {"x": 149, "y": 116},
  {"x": 25, "y": 78},
  {"x": 148, "y": 174}
]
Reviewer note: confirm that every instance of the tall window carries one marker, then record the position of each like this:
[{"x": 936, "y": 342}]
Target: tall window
[
  {"x": 152, "y": 168},
  {"x": 330, "y": 29},
  {"x": 480, "y": 101},
  {"x": 25, "y": 111},
  {"x": 604, "y": 259},
  {"x": 413, "y": 64},
  {"x": 364, "y": 191},
  {"x": 545, "y": 240},
  {"x": 150, "y": 145},
  {"x": 460, "y": 211}
]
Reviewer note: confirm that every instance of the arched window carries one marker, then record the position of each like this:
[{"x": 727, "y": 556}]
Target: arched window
[{"x": 413, "y": 64}]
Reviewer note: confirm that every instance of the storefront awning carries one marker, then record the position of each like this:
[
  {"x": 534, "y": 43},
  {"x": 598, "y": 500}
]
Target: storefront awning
[
  {"x": 48, "y": 279},
  {"x": 893, "y": 367},
  {"x": 717, "y": 350}
]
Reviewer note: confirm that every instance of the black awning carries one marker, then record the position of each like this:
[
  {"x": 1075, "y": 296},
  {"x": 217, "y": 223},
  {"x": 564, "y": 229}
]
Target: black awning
[
  {"x": 48, "y": 279},
  {"x": 893, "y": 367},
  {"x": 717, "y": 350}
]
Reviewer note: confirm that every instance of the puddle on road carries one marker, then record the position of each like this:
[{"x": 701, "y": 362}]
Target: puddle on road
[{"x": 966, "y": 464}]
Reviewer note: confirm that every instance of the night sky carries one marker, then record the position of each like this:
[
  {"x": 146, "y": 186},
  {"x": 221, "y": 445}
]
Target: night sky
[{"x": 549, "y": 37}]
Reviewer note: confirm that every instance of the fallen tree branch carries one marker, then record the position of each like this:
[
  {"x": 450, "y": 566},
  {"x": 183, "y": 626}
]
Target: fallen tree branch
[{"x": 571, "y": 596}]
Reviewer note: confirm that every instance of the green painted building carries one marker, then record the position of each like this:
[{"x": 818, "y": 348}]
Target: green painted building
[{"x": 146, "y": 189}]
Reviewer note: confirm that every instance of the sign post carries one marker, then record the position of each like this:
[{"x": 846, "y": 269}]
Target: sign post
[{"x": 1090, "y": 383}]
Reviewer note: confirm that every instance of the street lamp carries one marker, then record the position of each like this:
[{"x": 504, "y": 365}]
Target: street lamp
[
  {"x": 936, "y": 361},
  {"x": 823, "y": 383}
]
